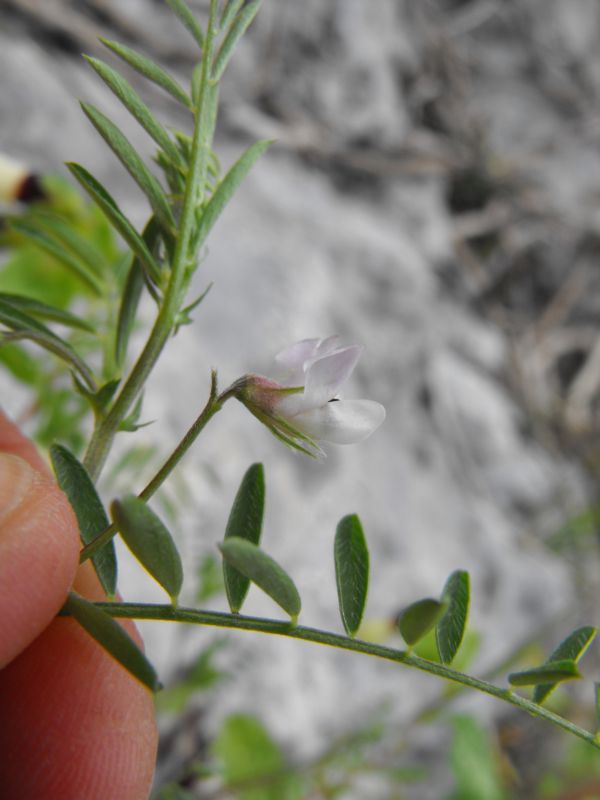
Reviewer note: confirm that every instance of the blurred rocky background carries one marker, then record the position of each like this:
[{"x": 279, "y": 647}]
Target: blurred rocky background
[{"x": 433, "y": 194}]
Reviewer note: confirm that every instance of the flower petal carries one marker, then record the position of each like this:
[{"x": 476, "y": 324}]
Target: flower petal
[
  {"x": 297, "y": 358},
  {"x": 341, "y": 421},
  {"x": 294, "y": 356},
  {"x": 327, "y": 345},
  {"x": 325, "y": 375}
]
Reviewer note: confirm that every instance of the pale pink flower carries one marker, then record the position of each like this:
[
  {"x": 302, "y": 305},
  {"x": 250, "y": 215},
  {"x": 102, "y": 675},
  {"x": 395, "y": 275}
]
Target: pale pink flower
[{"x": 305, "y": 408}]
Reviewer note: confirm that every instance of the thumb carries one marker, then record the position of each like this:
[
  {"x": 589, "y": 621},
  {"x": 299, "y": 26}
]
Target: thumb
[{"x": 39, "y": 547}]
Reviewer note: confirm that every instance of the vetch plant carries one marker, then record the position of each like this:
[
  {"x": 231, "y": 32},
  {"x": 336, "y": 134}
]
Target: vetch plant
[{"x": 303, "y": 409}]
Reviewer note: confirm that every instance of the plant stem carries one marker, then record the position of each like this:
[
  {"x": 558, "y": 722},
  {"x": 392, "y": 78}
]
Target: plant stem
[
  {"x": 258, "y": 624},
  {"x": 213, "y": 404},
  {"x": 106, "y": 428}
]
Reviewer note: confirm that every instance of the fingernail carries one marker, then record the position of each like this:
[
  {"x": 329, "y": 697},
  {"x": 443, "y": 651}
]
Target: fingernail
[{"x": 16, "y": 477}]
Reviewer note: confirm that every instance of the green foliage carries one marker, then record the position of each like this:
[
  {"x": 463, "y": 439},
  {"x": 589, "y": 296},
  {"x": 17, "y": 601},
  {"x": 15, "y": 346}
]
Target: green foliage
[
  {"x": 451, "y": 627},
  {"x": 417, "y": 619},
  {"x": 73, "y": 479},
  {"x": 73, "y": 240},
  {"x": 117, "y": 219},
  {"x": 150, "y": 542},
  {"x": 136, "y": 107},
  {"x": 229, "y": 12},
  {"x": 236, "y": 30},
  {"x": 187, "y": 18},
  {"x": 149, "y": 70},
  {"x": 474, "y": 762},
  {"x": 38, "y": 310},
  {"x": 427, "y": 647},
  {"x": 113, "y": 638},
  {"x": 226, "y": 189},
  {"x": 55, "y": 249},
  {"x": 129, "y": 158},
  {"x": 552, "y": 672},
  {"x": 42, "y": 288},
  {"x": 24, "y": 326},
  {"x": 351, "y": 557},
  {"x": 571, "y": 648},
  {"x": 245, "y": 522},
  {"x": 262, "y": 570}
]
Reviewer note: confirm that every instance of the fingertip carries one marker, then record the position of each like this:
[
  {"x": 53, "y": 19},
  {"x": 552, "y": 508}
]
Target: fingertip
[
  {"x": 39, "y": 550},
  {"x": 13, "y": 441},
  {"x": 74, "y": 723}
]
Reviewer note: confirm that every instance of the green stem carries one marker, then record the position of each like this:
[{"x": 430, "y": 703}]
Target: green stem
[
  {"x": 106, "y": 428},
  {"x": 213, "y": 404},
  {"x": 258, "y": 624}
]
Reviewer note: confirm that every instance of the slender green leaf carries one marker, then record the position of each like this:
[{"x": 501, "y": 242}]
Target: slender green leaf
[
  {"x": 262, "y": 570},
  {"x": 551, "y": 672},
  {"x": 26, "y": 327},
  {"x": 351, "y": 557},
  {"x": 571, "y": 648},
  {"x": 130, "y": 301},
  {"x": 149, "y": 70},
  {"x": 450, "y": 629},
  {"x": 55, "y": 346},
  {"x": 597, "y": 706},
  {"x": 474, "y": 762},
  {"x": 229, "y": 12},
  {"x": 70, "y": 237},
  {"x": 233, "y": 35},
  {"x": 75, "y": 482},
  {"x": 113, "y": 638},
  {"x": 184, "y": 316},
  {"x": 57, "y": 250},
  {"x": 150, "y": 542},
  {"x": 115, "y": 216},
  {"x": 226, "y": 188},
  {"x": 132, "y": 162},
  {"x": 419, "y": 618},
  {"x": 105, "y": 394},
  {"x": 136, "y": 107},
  {"x": 188, "y": 19},
  {"x": 245, "y": 522},
  {"x": 38, "y": 309},
  {"x": 18, "y": 320},
  {"x": 99, "y": 399},
  {"x": 131, "y": 422},
  {"x": 132, "y": 293}
]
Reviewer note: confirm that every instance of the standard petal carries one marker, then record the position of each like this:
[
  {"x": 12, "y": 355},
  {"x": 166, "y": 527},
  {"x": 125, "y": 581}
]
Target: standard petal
[
  {"x": 297, "y": 358},
  {"x": 325, "y": 375},
  {"x": 328, "y": 345},
  {"x": 341, "y": 421},
  {"x": 294, "y": 356}
]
